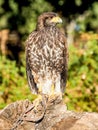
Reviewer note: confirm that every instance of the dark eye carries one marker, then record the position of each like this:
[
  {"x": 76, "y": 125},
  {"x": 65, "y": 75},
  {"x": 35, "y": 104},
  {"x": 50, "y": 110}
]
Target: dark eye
[{"x": 51, "y": 17}]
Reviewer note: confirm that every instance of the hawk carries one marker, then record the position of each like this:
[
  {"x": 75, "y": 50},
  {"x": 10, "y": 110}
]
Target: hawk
[{"x": 46, "y": 56}]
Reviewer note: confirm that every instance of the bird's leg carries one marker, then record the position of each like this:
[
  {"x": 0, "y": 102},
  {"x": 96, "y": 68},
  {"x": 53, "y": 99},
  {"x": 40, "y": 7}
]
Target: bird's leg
[
  {"x": 37, "y": 102},
  {"x": 51, "y": 95},
  {"x": 40, "y": 101},
  {"x": 52, "y": 89},
  {"x": 56, "y": 93},
  {"x": 40, "y": 90}
]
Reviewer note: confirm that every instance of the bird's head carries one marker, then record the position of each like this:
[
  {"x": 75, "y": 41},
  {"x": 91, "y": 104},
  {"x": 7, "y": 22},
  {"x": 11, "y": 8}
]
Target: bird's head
[{"x": 48, "y": 19}]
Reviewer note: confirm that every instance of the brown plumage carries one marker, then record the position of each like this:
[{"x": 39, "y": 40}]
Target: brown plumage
[{"x": 46, "y": 56}]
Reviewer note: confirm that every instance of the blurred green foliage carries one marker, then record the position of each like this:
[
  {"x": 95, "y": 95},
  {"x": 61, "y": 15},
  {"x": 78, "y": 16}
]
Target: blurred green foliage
[
  {"x": 21, "y": 15},
  {"x": 88, "y": 21},
  {"x": 13, "y": 82},
  {"x": 82, "y": 90}
]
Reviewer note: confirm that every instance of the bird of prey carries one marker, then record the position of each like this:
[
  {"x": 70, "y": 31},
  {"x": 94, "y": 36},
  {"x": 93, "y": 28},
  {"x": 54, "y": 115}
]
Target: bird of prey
[{"x": 47, "y": 56}]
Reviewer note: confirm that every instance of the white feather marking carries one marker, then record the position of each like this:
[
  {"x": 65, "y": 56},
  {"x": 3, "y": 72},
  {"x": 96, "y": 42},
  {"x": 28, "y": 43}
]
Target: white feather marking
[
  {"x": 57, "y": 85},
  {"x": 46, "y": 88}
]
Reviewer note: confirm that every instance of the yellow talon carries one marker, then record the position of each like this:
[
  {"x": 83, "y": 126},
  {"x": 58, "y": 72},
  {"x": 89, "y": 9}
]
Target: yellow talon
[
  {"x": 39, "y": 97},
  {"x": 37, "y": 102},
  {"x": 51, "y": 96}
]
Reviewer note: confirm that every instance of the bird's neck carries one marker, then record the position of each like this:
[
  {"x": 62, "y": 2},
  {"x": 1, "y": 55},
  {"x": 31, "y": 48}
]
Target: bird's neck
[
  {"x": 42, "y": 27},
  {"x": 40, "y": 23}
]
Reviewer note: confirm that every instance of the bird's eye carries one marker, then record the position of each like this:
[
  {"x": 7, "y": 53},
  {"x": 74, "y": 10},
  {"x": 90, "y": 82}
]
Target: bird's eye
[{"x": 51, "y": 17}]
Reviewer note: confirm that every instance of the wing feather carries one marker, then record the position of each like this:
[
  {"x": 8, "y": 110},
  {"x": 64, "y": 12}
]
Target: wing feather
[
  {"x": 64, "y": 73},
  {"x": 31, "y": 82},
  {"x": 30, "y": 77}
]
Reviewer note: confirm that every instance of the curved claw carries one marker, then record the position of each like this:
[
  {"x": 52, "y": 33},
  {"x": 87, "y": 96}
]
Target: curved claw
[{"x": 36, "y": 112}]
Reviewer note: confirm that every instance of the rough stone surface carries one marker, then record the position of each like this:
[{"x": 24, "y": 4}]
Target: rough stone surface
[{"x": 22, "y": 115}]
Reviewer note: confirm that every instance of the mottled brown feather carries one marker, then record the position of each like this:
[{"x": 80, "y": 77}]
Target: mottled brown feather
[{"x": 46, "y": 52}]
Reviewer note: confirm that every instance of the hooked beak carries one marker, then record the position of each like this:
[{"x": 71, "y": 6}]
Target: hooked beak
[{"x": 56, "y": 19}]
